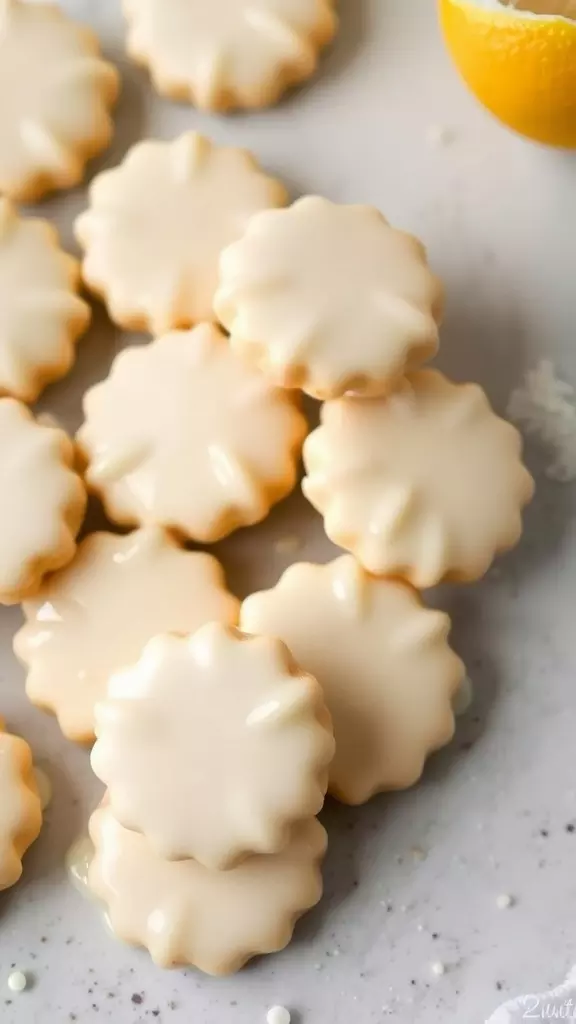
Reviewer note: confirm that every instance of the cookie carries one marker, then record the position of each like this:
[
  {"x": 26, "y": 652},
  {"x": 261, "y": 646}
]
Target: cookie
[
  {"x": 42, "y": 314},
  {"x": 95, "y": 616},
  {"x": 20, "y": 810},
  {"x": 382, "y": 660},
  {"x": 184, "y": 913},
  {"x": 329, "y": 298},
  {"x": 427, "y": 484},
  {"x": 44, "y": 501},
  {"x": 228, "y": 53},
  {"x": 213, "y": 746},
  {"x": 57, "y": 93},
  {"x": 183, "y": 433},
  {"x": 157, "y": 224}
]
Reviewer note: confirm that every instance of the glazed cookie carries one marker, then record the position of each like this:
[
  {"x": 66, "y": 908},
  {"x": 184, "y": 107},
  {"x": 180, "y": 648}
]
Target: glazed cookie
[
  {"x": 183, "y": 433},
  {"x": 329, "y": 298},
  {"x": 42, "y": 315},
  {"x": 384, "y": 664},
  {"x": 20, "y": 810},
  {"x": 427, "y": 484},
  {"x": 44, "y": 501},
  {"x": 184, "y": 913},
  {"x": 56, "y": 98},
  {"x": 157, "y": 224},
  {"x": 213, "y": 746},
  {"x": 95, "y": 616},
  {"x": 228, "y": 53}
]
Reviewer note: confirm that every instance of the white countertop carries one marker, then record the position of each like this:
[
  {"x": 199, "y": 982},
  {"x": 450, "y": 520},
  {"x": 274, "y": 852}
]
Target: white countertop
[{"x": 499, "y": 217}]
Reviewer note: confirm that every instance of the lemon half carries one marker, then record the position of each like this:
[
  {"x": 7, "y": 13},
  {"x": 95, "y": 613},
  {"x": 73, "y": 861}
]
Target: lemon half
[{"x": 519, "y": 59}]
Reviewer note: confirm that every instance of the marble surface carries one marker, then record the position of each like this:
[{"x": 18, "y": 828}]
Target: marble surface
[{"x": 411, "y": 879}]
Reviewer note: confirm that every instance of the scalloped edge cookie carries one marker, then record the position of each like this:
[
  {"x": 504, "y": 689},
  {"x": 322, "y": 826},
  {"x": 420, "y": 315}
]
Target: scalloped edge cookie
[
  {"x": 55, "y": 163},
  {"x": 157, "y": 270},
  {"x": 136, "y": 574},
  {"x": 213, "y": 745},
  {"x": 184, "y": 434},
  {"x": 427, "y": 484},
  {"x": 383, "y": 661},
  {"x": 210, "y": 86},
  {"x": 18, "y": 836},
  {"x": 27, "y": 365},
  {"x": 185, "y": 914},
  {"x": 69, "y": 508},
  {"x": 330, "y": 298}
]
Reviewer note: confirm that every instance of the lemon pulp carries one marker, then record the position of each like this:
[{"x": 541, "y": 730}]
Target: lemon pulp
[{"x": 519, "y": 59}]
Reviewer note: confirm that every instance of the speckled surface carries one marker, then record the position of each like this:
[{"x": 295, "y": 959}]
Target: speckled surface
[{"x": 495, "y": 811}]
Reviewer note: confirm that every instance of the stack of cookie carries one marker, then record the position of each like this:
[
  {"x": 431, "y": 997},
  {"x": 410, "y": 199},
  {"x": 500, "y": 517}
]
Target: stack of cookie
[{"x": 215, "y": 750}]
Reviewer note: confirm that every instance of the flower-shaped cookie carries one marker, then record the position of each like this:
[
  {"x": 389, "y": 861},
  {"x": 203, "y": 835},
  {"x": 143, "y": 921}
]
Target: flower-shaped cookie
[
  {"x": 184, "y": 913},
  {"x": 228, "y": 53},
  {"x": 213, "y": 746},
  {"x": 56, "y": 98},
  {"x": 20, "y": 810},
  {"x": 427, "y": 484},
  {"x": 329, "y": 298},
  {"x": 95, "y": 617},
  {"x": 382, "y": 660},
  {"x": 157, "y": 224},
  {"x": 43, "y": 501},
  {"x": 183, "y": 433},
  {"x": 42, "y": 315}
]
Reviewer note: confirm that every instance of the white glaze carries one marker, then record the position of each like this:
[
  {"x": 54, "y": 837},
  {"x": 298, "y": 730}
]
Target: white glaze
[
  {"x": 17, "y": 981},
  {"x": 382, "y": 659},
  {"x": 78, "y": 861},
  {"x": 213, "y": 746},
  {"x": 427, "y": 484},
  {"x": 329, "y": 298},
  {"x": 55, "y": 97},
  {"x": 42, "y": 315},
  {"x": 47, "y": 499},
  {"x": 96, "y": 616},
  {"x": 228, "y": 53},
  {"x": 183, "y": 433},
  {"x": 157, "y": 223},
  {"x": 186, "y": 914}
]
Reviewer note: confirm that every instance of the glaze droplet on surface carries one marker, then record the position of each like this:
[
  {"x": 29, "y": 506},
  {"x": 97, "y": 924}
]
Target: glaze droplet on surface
[
  {"x": 78, "y": 861},
  {"x": 17, "y": 981},
  {"x": 278, "y": 1015}
]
